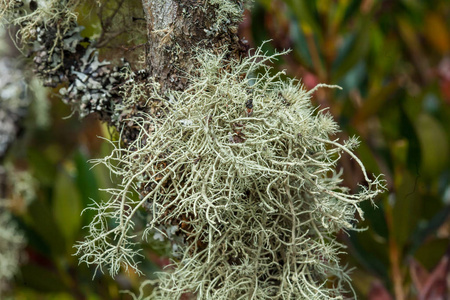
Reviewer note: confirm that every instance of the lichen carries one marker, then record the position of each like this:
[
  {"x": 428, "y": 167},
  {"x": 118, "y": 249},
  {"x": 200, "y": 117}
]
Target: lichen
[
  {"x": 55, "y": 12},
  {"x": 238, "y": 170},
  {"x": 63, "y": 56},
  {"x": 14, "y": 101},
  {"x": 227, "y": 13},
  {"x": 245, "y": 167},
  {"x": 12, "y": 243}
]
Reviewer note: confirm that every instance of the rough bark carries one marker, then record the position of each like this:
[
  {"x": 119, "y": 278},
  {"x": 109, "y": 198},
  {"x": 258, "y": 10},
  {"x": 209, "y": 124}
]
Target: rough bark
[{"x": 176, "y": 29}]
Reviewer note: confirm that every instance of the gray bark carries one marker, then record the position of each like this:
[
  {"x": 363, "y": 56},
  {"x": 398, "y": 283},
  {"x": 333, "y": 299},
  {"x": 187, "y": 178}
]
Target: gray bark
[{"x": 176, "y": 29}]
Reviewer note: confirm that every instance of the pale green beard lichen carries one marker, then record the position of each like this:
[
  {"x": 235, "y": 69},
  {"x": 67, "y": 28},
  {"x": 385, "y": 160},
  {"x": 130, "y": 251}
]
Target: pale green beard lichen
[
  {"x": 245, "y": 168},
  {"x": 12, "y": 243},
  {"x": 47, "y": 11},
  {"x": 238, "y": 171}
]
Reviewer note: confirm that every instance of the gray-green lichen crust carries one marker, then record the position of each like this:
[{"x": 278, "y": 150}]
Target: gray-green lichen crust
[{"x": 245, "y": 168}]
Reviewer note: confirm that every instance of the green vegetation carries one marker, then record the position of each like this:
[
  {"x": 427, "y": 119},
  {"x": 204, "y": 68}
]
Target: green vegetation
[{"x": 391, "y": 60}]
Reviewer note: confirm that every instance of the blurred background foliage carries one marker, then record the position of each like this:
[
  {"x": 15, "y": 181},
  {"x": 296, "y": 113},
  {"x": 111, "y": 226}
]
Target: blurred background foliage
[{"x": 392, "y": 58}]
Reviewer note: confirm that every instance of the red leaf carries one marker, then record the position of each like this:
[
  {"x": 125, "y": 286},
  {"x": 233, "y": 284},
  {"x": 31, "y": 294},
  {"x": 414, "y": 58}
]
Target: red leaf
[
  {"x": 379, "y": 292},
  {"x": 433, "y": 286}
]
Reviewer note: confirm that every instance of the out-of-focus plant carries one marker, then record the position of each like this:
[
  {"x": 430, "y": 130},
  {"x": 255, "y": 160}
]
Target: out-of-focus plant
[
  {"x": 206, "y": 145},
  {"x": 392, "y": 60}
]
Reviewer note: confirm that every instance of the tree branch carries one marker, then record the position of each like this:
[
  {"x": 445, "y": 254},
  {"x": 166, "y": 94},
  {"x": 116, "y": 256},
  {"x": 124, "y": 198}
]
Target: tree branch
[{"x": 177, "y": 29}]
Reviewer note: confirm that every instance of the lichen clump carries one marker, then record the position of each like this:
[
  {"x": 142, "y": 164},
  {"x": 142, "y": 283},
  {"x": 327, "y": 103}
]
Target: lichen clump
[
  {"x": 12, "y": 242},
  {"x": 62, "y": 56},
  {"x": 238, "y": 171},
  {"x": 244, "y": 167}
]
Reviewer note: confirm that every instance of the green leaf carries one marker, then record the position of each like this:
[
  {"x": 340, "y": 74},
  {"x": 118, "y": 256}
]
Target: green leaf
[
  {"x": 67, "y": 207},
  {"x": 41, "y": 279},
  {"x": 436, "y": 247},
  {"x": 87, "y": 185},
  {"x": 300, "y": 48},
  {"x": 427, "y": 229},
  {"x": 41, "y": 220},
  {"x": 258, "y": 31},
  {"x": 85, "y": 178},
  {"x": 375, "y": 219},
  {"x": 407, "y": 130},
  {"x": 42, "y": 167},
  {"x": 352, "y": 52},
  {"x": 306, "y": 14},
  {"x": 374, "y": 103},
  {"x": 34, "y": 239},
  {"x": 367, "y": 249},
  {"x": 433, "y": 144},
  {"x": 407, "y": 206}
]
